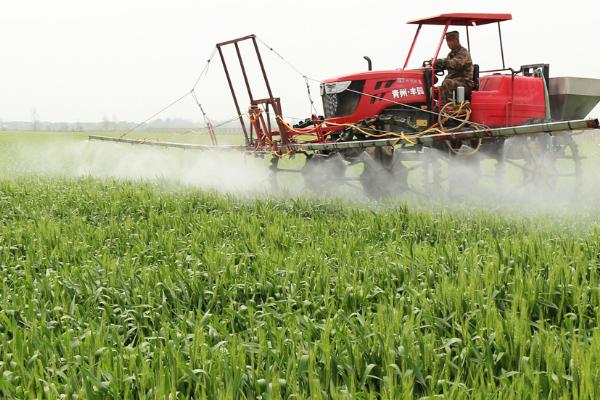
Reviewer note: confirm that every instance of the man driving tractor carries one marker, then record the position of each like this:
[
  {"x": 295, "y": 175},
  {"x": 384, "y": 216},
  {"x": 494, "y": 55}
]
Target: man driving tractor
[{"x": 459, "y": 66}]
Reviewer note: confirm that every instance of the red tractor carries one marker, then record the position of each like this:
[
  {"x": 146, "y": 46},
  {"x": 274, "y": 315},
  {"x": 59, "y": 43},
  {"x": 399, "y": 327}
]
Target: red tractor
[
  {"x": 406, "y": 101},
  {"x": 501, "y": 97},
  {"x": 393, "y": 122}
]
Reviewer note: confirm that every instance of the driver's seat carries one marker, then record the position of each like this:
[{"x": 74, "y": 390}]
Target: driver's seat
[{"x": 475, "y": 76}]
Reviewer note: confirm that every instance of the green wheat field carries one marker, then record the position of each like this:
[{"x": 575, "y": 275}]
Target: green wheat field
[{"x": 126, "y": 289}]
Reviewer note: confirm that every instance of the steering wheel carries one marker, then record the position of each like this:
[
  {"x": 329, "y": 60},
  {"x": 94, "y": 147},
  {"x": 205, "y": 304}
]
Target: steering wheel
[{"x": 437, "y": 70}]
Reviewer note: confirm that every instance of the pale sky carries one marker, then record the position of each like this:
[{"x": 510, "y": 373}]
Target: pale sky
[{"x": 76, "y": 60}]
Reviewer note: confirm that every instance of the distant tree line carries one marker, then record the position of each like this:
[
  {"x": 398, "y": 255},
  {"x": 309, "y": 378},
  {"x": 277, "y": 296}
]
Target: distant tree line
[{"x": 112, "y": 124}]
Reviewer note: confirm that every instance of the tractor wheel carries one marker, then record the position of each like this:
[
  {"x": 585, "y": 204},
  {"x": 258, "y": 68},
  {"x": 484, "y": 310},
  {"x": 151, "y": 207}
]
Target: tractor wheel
[
  {"x": 383, "y": 174},
  {"x": 323, "y": 173},
  {"x": 539, "y": 169},
  {"x": 546, "y": 159}
]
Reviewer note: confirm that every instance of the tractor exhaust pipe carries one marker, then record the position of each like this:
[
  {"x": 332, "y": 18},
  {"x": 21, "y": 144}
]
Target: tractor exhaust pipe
[{"x": 369, "y": 63}]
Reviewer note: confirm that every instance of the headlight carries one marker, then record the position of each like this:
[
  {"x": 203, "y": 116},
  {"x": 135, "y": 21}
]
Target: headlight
[{"x": 335, "y": 87}]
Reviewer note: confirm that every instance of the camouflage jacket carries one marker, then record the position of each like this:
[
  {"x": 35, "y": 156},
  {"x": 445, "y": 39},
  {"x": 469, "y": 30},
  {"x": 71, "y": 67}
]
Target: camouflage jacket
[{"x": 459, "y": 65}]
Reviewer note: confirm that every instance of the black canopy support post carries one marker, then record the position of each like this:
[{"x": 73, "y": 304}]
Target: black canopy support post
[
  {"x": 468, "y": 39},
  {"x": 501, "y": 46},
  {"x": 235, "y": 101}
]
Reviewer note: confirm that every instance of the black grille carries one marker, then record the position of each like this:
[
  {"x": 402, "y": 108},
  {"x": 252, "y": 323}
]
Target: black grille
[
  {"x": 330, "y": 105},
  {"x": 344, "y": 103}
]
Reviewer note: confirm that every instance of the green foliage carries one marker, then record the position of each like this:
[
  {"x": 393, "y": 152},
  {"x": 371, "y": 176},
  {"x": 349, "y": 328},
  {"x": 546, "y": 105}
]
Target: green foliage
[{"x": 127, "y": 290}]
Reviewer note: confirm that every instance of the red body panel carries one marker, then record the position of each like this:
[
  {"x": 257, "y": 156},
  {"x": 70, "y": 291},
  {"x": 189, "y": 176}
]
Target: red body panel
[
  {"x": 504, "y": 100},
  {"x": 385, "y": 89}
]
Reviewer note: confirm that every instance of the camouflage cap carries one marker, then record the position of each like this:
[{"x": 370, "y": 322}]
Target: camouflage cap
[{"x": 452, "y": 35}]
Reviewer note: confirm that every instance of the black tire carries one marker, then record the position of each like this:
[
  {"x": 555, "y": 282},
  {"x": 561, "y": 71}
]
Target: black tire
[
  {"x": 541, "y": 168},
  {"x": 383, "y": 174},
  {"x": 323, "y": 173}
]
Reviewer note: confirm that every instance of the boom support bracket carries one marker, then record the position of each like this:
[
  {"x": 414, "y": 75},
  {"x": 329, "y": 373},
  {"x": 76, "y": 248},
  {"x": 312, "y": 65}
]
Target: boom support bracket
[{"x": 270, "y": 104}]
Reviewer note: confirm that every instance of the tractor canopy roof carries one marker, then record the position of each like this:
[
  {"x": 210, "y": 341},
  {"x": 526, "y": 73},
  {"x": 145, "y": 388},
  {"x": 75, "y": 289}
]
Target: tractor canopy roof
[{"x": 462, "y": 19}]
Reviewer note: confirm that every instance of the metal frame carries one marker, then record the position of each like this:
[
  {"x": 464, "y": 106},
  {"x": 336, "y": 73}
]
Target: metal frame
[
  {"x": 412, "y": 46},
  {"x": 433, "y": 61},
  {"x": 269, "y": 103},
  {"x": 461, "y": 20}
]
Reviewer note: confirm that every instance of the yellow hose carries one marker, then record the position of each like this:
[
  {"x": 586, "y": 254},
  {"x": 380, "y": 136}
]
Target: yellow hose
[{"x": 462, "y": 113}]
